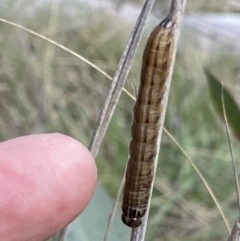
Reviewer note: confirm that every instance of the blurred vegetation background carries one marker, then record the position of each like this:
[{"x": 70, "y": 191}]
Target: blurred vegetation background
[
  {"x": 44, "y": 89},
  {"x": 219, "y": 6}
]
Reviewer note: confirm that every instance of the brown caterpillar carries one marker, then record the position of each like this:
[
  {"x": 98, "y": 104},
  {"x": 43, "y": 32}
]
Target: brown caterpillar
[{"x": 156, "y": 63}]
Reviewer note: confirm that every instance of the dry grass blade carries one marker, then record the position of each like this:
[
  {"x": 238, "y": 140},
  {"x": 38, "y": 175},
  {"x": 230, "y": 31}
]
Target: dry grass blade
[
  {"x": 203, "y": 180},
  {"x": 119, "y": 79},
  {"x": 63, "y": 48},
  {"x": 235, "y": 234},
  {"x": 56, "y": 44}
]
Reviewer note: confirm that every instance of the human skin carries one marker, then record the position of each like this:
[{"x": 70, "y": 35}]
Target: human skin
[{"x": 46, "y": 181}]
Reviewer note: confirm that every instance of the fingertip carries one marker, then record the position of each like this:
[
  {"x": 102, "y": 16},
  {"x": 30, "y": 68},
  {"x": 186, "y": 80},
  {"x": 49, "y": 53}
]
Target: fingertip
[{"x": 50, "y": 177}]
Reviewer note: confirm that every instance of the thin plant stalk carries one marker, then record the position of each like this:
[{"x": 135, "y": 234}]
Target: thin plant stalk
[
  {"x": 119, "y": 79},
  {"x": 231, "y": 152},
  {"x": 235, "y": 234}
]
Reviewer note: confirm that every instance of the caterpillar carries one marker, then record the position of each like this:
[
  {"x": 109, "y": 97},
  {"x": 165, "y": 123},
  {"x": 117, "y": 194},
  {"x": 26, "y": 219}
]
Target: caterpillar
[{"x": 156, "y": 63}]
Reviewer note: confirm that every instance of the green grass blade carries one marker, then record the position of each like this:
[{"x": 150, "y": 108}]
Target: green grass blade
[{"x": 232, "y": 110}]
